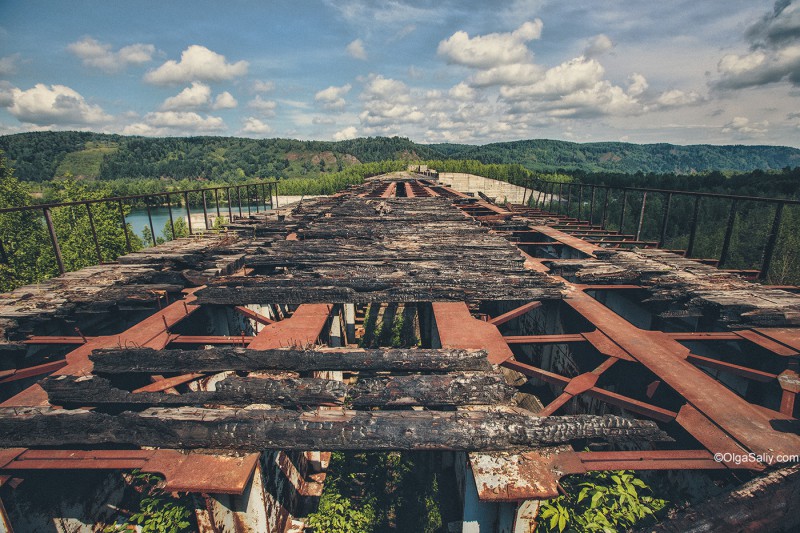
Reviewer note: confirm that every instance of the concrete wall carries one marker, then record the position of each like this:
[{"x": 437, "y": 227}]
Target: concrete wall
[{"x": 470, "y": 183}]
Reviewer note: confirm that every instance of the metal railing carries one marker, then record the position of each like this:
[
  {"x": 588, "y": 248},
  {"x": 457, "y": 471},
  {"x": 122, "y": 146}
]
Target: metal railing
[
  {"x": 268, "y": 188},
  {"x": 594, "y": 203}
]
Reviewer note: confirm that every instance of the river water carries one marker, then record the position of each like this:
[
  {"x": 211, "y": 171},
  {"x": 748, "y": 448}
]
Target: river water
[{"x": 160, "y": 215}]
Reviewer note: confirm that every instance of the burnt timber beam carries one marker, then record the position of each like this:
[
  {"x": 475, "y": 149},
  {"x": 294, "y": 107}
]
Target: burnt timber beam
[
  {"x": 262, "y": 429},
  {"x": 117, "y": 361},
  {"x": 396, "y": 391}
]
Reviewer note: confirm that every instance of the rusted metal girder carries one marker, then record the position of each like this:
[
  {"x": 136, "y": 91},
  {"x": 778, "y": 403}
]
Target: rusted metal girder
[
  {"x": 534, "y": 475},
  {"x": 183, "y": 472}
]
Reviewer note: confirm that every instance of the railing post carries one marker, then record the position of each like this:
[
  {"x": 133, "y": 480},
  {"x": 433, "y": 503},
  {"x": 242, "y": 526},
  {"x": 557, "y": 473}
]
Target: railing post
[
  {"x": 591, "y": 207},
  {"x": 188, "y": 212},
  {"x": 552, "y": 196},
  {"x": 216, "y": 201},
  {"x": 663, "y": 238},
  {"x": 249, "y": 199},
  {"x": 580, "y": 201},
  {"x": 723, "y": 256},
  {"x": 230, "y": 203},
  {"x": 771, "y": 241},
  {"x": 569, "y": 199},
  {"x": 276, "y": 194},
  {"x": 622, "y": 213},
  {"x": 150, "y": 219},
  {"x": 171, "y": 221},
  {"x": 605, "y": 208},
  {"x": 239, "y": 195},
  {"x": 54, "y": 240},
  {"x": 125, "y": 227},
  {"x": 641, "y": 217},
  {"x": 94, "y": 234},
  {"x": 693, "y": 231},
  {"x": 264, "y": 196},
  {"x": 205, "y": 209}
]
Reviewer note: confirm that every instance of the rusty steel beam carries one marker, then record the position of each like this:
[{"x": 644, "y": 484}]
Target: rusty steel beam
[
  {"x": 242, "y": 340},
  {"x": 545, "y": 339},
  {"x": 252, "y": 315},
  {"x": 192, "y": 472},
  {"x": 514, "y": 313},
  {"x": 32, "y": 371}
]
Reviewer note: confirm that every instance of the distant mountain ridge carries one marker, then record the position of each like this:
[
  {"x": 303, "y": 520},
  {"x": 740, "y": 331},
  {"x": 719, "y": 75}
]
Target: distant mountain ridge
[{"x": 41, "y": 156}]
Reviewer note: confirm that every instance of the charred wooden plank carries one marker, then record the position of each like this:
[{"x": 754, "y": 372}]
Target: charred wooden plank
[
  {"x": 293, "y": 392},
  {"x": 423, "y": 390},
  {"x": 116, "y": 361},
  {"x": 261, "y": 429},
  {"x": 431, "y": 390}
]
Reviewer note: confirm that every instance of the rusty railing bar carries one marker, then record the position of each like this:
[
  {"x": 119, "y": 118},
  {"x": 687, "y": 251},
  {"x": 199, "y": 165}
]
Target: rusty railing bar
[
  {"x": 53, "y": 239},
  {"x": 102, "y": 200},
  {"x": 591, "y": 207},
  {"x": 171, "y": 221},
  {"x": 150, "y": 220},
  {"x": 239, "y": 195},
  {"x": 693, "y": 231},
  {"x": 125, "y": 227},
  {"x": 216, "y": 201},
  {"x": 230, "y": 204},
  {"x": 664, "y": 218},
  {"x": 205, "y": 211},
  {"x": 94, "y": 234},
  {"x": 769, "y": 249},
  {"x": 188, "y": 211},
  {"x": 622, "y": 212},
  {"x": 605, "y": 211},
  {"x": 726, "y": 242},
  {"x": 641, "y": 216}
]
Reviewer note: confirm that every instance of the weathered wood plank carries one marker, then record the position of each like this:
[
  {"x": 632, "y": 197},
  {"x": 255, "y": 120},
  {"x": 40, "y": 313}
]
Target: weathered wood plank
[
  {"x": 425, "y": 390},
  {"x": 258, "y": 429},
  {"x": 431, "y": 390},
  {"x": 116, "y": 361}
]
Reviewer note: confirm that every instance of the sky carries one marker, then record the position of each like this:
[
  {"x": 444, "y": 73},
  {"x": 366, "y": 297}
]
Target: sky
[{"x": 461, "y": 71}]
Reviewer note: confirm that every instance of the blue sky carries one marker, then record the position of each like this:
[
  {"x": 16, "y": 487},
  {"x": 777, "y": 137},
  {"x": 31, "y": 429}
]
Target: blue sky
[{"x": 685, "y": 72}]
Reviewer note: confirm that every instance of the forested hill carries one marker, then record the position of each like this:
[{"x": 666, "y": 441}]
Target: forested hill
[{"x": 41, "y": 156}]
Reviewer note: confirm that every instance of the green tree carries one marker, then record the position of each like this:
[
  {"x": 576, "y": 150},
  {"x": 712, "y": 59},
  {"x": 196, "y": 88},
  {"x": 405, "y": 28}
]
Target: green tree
[
  {"x": 181, "y": 229},
  {"x": 74, "y": 227},
  {"x": 24, "y": 255}
]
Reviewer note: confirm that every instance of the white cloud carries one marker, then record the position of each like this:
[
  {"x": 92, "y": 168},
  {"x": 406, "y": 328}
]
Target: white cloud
[
  {"x": 774, "y": 51},
  {"x": 577, "y": 74},
  {"x": 388, "y": 102},
  {"x": 598, "y": 45},
  {"x": 194, "y": 97},
  {"x": 159, "y": 123},
  {"x": 8, "y": 65},
  {"x": 197, "y": 63},
  {"x": 760, "y": 67},
  {"x": 677, "y": 98},
  {"x": 486, "y": 51},
  {"x": 95, "y": 54},
  {"x": 261, "y": 86},
  {"x": 743, "y": 127},
  {"x": 254, "y": 125},
  {"x": 264, "y": 107},
  {"x": 333, "y": 97},
  {"x": 326, "y": 121},
  {"x": 462, "y": 92},
  {"x": 514, "y": 74},
  {"x": 349, "y": 132},
  {"x": 6, "y": 93},
  {"x": 55, "y": 104},
  {"x": 637, "y": 84},
  {"x": 356, "y": 49},
  {"x": 224, "y": 100},
  {"x": 188, "y": 120}
]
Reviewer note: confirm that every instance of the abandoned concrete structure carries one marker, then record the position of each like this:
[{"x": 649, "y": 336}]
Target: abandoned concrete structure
[{"x": 230, "y": 365}]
